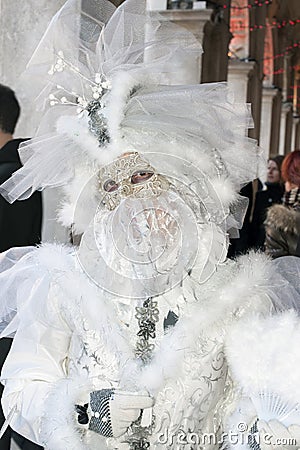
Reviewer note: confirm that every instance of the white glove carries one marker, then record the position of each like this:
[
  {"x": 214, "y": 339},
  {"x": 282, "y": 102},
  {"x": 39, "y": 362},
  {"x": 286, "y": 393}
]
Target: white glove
[
  {"x": 274, "y": 436},
  {"x": 125, "y": 408},
  {"x": 110, "y": 412}
]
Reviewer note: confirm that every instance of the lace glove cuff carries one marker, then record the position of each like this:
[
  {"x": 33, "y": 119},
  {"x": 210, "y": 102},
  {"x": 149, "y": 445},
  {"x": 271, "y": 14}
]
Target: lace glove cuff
[
  {"x": 96, "y": 414},
  {"x": 110, "y": 412},
  {"x": 100, "y": 421}
]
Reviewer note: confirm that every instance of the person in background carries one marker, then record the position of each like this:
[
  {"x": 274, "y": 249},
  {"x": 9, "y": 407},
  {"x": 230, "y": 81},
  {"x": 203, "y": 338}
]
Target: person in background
[
  {"x": 266, "y": 198},
  {"x": 283, "y": 221},
  {"x": 20, "y": 222},
  {"x": 242, "y": 244}
]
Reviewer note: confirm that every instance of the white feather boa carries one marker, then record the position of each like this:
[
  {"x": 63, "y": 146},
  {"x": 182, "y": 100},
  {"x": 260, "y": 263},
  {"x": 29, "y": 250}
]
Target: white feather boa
[
  {"x": 272, "y": 360},
  {"x": 264, "y": 360},
  {"x": 242, "y": 291},
  {"x": 228, "y": 294},
  {"x": 59, "y": 427},
  {"x": 77, "y": 129}
]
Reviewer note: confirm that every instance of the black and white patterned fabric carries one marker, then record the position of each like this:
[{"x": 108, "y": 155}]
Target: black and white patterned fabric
[
  {"x": 253, "y": 444},
  {"x": 100, "y": 421}
]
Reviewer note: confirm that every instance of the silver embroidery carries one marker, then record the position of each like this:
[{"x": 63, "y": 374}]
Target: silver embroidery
[
  {"x": 147, "y": 317},
  {"x": 97, "y": 122}
]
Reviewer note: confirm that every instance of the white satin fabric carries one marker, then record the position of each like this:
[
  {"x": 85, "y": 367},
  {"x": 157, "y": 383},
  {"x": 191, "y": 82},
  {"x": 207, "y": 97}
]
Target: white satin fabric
[{"x": 71, "y": 339}]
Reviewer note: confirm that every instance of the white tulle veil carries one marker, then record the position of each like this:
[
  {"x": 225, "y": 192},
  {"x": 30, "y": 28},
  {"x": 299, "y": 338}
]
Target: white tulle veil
[
  {"x": 132, "y": 52},
  {"x": 100, "y": 82}
]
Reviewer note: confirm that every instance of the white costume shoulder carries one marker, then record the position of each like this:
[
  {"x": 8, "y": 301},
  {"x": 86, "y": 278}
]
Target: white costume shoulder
[{"x": 36, "y": 372}]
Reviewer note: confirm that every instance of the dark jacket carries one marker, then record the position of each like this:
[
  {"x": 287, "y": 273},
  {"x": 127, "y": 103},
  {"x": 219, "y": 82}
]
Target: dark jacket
[
  {"x": 263, "y": 201},
  {"x": 242, "y": 244},
  {"x": 283, "y": 231},
  {"x": 20, "y": 222}
]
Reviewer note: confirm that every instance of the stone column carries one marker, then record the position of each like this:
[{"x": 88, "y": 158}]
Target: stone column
[
  {"x": 239, "y": 74},
  {"x": 194, "y": 20},
  {"x": 285, "y": 143},
  {"x": 215, "y": 57},
  {"x": 244, "y": 79},
  {"x": 297, "y": 136},
  {"x": 276, "y": 121},
  {"x": 254, "y": 97},
  {"x": 269, "y": 126}
]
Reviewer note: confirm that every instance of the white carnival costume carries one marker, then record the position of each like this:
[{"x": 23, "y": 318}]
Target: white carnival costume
[{"x": 146, "y": 314}]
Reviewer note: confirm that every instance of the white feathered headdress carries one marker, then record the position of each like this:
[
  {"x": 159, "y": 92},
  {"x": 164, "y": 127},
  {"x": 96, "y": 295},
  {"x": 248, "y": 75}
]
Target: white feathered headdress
[{"x": 97, "y": 78}]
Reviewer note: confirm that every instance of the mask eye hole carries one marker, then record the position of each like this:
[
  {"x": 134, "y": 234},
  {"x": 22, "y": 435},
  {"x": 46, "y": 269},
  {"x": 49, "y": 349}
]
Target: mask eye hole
[
  {"x": 141, "y": 176},
  {"x": 110, "y": 186}
]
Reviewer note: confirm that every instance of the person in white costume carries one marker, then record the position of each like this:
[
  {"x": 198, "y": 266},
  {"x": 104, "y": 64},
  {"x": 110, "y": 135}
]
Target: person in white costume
[{"x": 140, "y": 337}]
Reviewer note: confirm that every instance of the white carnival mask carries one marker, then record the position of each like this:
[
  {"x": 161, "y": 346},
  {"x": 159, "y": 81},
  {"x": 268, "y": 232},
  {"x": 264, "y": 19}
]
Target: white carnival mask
[{"x": 129, "y": 176}]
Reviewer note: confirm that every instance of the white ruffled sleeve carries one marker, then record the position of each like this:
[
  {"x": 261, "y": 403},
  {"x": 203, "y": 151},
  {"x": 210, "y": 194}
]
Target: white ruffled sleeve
[{"x": 38, "y": 392}]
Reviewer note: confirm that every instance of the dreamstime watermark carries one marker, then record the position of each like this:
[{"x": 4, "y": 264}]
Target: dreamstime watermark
[{"x": 242, "y": 436}]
